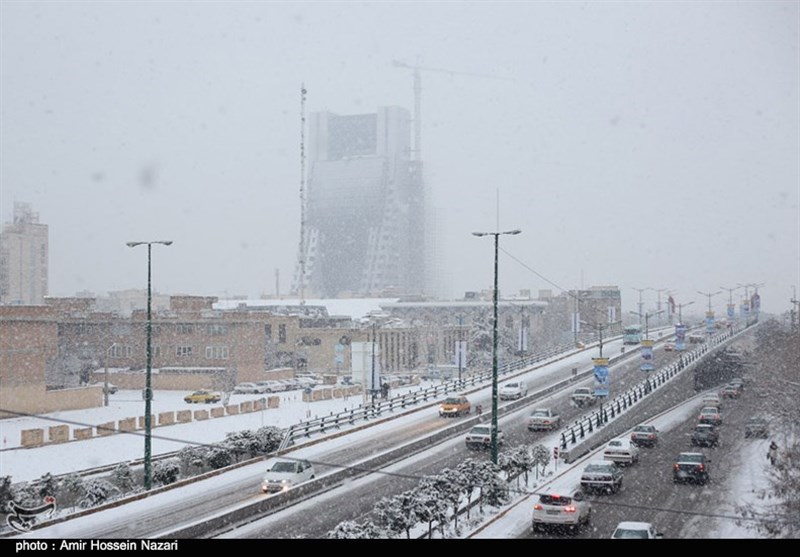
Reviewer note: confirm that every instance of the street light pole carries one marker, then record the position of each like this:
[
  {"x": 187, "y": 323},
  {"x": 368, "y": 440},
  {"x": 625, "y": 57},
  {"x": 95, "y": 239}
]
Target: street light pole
[
  {"x": 680, "y": 311},
  {"x": 494, "y": 337},
  {"x": 148, "y": 391},
  {"x": 460, "y": 345},
  {"x": 373, "y": 364}
]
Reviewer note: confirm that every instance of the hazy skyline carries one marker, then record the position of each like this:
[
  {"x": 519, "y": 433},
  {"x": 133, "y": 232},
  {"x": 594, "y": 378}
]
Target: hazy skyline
[{"x": 639, "y": 144}]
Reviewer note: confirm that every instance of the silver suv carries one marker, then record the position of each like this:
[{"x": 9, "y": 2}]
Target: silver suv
[{"x": 568, "y": 510}]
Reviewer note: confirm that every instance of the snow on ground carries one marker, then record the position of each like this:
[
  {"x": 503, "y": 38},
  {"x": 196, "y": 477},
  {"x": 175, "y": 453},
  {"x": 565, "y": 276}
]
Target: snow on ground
[{"x": 749, "y": 475}]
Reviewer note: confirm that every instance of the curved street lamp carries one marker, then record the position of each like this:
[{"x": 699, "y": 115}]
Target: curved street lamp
[
  {"x": 494, "y": 337},
  {"x": 148, "y": 391}
]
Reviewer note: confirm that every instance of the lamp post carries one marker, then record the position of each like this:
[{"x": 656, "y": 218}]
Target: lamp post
[
  {"x": 148, "y": 391},
  {"x": 373, "y": 365},
  {"x": 680, "y": 310},
  {"x": 600, "y": 329},
  {"x": 658, "y": 291},
  {"x": 460, "y": 345},
  {"x": 494, "y": 337},
  {"x": 641, "y": 313},
  {"x": 647, "y": 317}
]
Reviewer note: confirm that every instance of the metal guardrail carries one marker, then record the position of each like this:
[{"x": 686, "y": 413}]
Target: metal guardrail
[
  {"x": 381, "y": 407},
  {"x": 574, "y": 434}
]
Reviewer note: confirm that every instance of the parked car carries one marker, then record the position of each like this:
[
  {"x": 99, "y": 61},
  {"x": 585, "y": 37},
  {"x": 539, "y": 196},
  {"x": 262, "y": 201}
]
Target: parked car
[
  {"x": 569, "y": 510},
  {"x": 705, "y": 435},
  {"x": 621, "y": 451},
  {"x": 731, "y": 390},
  {"x": 454, "y": 406},
  {"x": 737, "y": 381},
  {"x": 645, "y": 435},
  {"x": 543, "y": 419},
  {"x": 636, "y": 530},
  {"x": 513, "y": 390},
  {"x": 758, "y": 427},
  {"x": 692, "y": 468},
  {"x": 291, "y": 384},
  {"x": 284, "y": 474},
  {"x": 710, "y": 415},
  {"x": 203, "y": 395},
  {"x": 601, "y": 476},
  {"x": 480, "y": 437},
  {"x": 271, "y": 386},
  {"x": 247, "y": 389}
]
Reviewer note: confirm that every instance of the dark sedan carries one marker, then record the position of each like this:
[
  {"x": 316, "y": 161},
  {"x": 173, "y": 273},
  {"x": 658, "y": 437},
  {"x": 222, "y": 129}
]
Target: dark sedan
[{"x": 705, "y": 435}]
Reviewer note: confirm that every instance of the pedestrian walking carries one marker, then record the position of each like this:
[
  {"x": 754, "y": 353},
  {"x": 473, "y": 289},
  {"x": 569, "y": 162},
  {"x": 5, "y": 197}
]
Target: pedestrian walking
[{"x": 772, "y": 453}]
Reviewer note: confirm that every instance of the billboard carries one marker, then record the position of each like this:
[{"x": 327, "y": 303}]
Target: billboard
[
  {"x": 366, "y": 365},
  {"x": 648, "y": 360},
  {"x": 600, "y": 376}
]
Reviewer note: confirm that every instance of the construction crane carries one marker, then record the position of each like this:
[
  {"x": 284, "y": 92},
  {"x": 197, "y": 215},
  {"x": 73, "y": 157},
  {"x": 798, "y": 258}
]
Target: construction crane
[{"x": 417, "y": 69}]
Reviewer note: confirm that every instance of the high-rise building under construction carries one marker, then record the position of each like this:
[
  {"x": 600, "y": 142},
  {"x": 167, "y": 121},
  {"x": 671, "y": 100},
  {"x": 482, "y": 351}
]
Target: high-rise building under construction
[{"x": 363, "y": 229}]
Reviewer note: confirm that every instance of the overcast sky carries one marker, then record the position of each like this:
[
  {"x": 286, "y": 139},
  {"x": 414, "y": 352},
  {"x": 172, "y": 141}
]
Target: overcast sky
[{"x": 639, "y": 144}]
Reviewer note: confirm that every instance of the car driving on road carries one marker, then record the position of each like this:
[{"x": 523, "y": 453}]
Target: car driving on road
[
  {"x": 513, "y": 390},
  {"x": 601, "y": 476},
  {"x": 284, "y": 474},
  {"x": 621, "y": 451},
  {"x": 710, "y": 415},
  {"x": 636, "y": 530},
  {"x": 568, "y": 510},
  {"x": 758, "y": 427},
  {"x": 480, "y": 437},
  {"x": 705, "y": 435},
  {"x": 645, "y": 435},
  {"x": 454, "y": 406},
  {"x": 691, "y": 467},
  {"x": 543, "y": 419}
]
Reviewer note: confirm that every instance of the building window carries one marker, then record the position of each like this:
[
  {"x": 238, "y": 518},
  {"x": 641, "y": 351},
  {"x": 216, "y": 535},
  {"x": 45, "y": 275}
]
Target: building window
[
  {"x": 156, "y": 351},
  {"x": 281, "y": 333},
  {"x": 217, "y": 329},
  {"x": 216, "y": 352},
  {"x": 268, "y": 331},
  {"x": 184, "y": 328},
  {"x": 184, "y": 351},
  {"x": 155, "y": 330},
  {"x": 120, "y": 351}
]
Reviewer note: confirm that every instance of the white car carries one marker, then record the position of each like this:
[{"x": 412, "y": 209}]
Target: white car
[
  {"x": 712, "y": 399},
  {"x": 271, "y": 386},
  {"x": 621, "y": 451},
  {"x": 247, "y": 389},
  {"x": 568, "y": 510},
  {"x": 513, "y": 390},
  {"x": 543, "y": 419},
  {"x": 285, "y": 474},
  {"x": 480, "y": 437},
  {"x": 636, "y": 530}
]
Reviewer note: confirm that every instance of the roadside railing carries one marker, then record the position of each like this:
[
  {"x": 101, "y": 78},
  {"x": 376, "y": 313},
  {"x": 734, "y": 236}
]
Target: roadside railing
[{"x": 576, "y": 433}]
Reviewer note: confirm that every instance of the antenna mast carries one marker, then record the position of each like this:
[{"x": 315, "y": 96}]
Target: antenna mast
[{"x": 302, "y": 192}]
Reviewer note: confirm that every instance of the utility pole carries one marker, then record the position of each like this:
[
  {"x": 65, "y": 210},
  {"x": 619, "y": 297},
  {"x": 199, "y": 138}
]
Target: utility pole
[
  {"x": 731, "y": 306},
  {"x": 640, "y": 313},
  {"x": 658, "y": 291}
]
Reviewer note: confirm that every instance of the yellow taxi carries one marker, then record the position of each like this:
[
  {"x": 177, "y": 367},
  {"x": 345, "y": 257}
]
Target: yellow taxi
[
  {"x": 454, "y": 406},
  {"x": 203, "y": 395}
]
